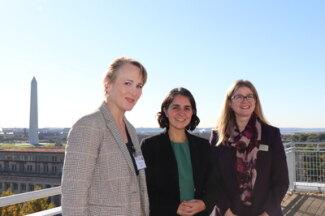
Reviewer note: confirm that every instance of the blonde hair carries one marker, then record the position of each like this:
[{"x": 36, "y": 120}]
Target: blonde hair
[
  {"x": 112, "y": 72},
  {"x": 227, "y": 115}
]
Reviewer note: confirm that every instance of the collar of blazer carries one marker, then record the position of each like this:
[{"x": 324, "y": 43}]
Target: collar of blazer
[
  {"x": 192, "y": 143},
  {"x": 188, "y": 136},
  {"x": 111, "y": 126}
]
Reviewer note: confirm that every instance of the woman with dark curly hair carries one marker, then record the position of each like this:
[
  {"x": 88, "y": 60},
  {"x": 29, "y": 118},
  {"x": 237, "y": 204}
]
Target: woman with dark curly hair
[{"x": 177, "y": 161}]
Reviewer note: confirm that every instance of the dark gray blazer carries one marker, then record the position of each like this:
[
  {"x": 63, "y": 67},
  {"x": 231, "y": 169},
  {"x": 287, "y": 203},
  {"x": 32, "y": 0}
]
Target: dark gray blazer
[
  {"x": 98, "y": 173},
  {"x": 272, "y": 176}
]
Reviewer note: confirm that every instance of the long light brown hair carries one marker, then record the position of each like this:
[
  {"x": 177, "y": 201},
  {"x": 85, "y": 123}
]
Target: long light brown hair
[{"x": 227, "y": 115}]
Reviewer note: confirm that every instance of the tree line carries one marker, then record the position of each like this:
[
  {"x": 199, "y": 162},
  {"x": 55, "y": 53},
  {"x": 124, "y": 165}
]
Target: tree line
[{"x": 304, "y": 137}]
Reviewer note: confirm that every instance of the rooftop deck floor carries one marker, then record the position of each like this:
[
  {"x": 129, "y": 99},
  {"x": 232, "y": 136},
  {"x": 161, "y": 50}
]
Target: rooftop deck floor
[{"x": 304, "y": 204}]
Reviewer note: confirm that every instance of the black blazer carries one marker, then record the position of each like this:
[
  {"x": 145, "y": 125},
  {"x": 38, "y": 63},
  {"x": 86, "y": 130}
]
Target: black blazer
[
  {"x": 272, "y": 176},
  {"x": 162, "y": 173}
]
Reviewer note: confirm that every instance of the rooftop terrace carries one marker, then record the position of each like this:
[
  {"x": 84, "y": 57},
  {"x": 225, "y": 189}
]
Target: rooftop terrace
[{"x": 306, "y": 163}]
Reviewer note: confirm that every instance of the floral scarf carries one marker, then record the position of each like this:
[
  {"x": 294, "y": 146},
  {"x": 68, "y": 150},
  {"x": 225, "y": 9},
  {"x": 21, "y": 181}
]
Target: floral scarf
[{"x": 246, "y": 144}]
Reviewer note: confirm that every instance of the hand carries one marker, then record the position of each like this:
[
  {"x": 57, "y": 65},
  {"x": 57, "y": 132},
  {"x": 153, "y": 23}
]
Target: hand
[
  {"x": 264, "y": 214},
  {"x": 229, "y": 213},
  {"x": 190, "y": 207}
]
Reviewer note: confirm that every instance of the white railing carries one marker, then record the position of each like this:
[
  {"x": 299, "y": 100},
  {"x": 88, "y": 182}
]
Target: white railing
[
  {"x": 306, "y": 162},
  {"x": 49, "y": 212},
  {"x": 298, "y": 158},
  {"x": 23, "y": 197}
]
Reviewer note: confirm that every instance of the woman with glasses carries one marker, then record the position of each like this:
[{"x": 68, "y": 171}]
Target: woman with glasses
[
  {"x": 177, "y": 161},
  {"x": 250, "y": 169}
]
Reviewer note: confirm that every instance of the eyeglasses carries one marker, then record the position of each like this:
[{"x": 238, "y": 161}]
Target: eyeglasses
[{"x": 240, "y": 98}]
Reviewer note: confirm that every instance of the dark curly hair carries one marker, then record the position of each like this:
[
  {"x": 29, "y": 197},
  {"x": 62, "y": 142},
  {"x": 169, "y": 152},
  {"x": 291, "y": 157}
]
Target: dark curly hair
[{"x": 163, "y": 119}]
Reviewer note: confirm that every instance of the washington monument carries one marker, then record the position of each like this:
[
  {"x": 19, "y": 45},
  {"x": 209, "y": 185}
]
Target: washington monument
[{"x": 33, "y": 118}]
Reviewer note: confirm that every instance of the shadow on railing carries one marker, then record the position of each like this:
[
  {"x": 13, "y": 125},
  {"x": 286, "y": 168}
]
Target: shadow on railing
[{"x": 28, "y": 196}]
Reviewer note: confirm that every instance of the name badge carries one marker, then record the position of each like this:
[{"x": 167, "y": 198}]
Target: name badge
[
  {"x": 139, "y": 160},
  {"x": 264, "y": 147}
]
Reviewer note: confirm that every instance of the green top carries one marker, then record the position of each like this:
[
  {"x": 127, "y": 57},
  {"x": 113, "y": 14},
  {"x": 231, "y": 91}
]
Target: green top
[{"x": 185, "y": 173}]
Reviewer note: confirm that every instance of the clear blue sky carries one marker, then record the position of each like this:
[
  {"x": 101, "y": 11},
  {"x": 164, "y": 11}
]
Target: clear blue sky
[{"x": 201, "y": 45}]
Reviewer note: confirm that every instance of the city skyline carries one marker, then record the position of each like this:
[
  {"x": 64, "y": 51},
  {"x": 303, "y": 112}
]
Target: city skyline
[{"x": 203, "y": 46}]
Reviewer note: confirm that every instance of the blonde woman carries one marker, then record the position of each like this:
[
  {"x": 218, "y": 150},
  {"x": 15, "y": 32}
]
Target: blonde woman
[{"x": 103, "y": 172}]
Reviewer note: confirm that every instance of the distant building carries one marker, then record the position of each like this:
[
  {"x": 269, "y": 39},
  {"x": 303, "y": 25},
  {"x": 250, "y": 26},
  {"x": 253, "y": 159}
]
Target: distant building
[
  {"x": 33, "y": 118},
  {"x": 23, "y": 170}
]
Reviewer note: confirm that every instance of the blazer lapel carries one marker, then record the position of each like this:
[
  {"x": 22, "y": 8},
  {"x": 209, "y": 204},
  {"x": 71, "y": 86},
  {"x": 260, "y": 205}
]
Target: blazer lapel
[
  {"x": 133, "y": 135},
  {"x": 142, "y": 177},
  {"x": 194, "y": 158},
  {"x": 227, "y": 159},
  {"x": 168, "y": 156},
  {"x": 111, "y": 125},
  {"x": 259, "y": 160}
]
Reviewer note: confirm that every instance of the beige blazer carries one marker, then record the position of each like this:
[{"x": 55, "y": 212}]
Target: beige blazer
[{"x": 98, "y": 173}]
